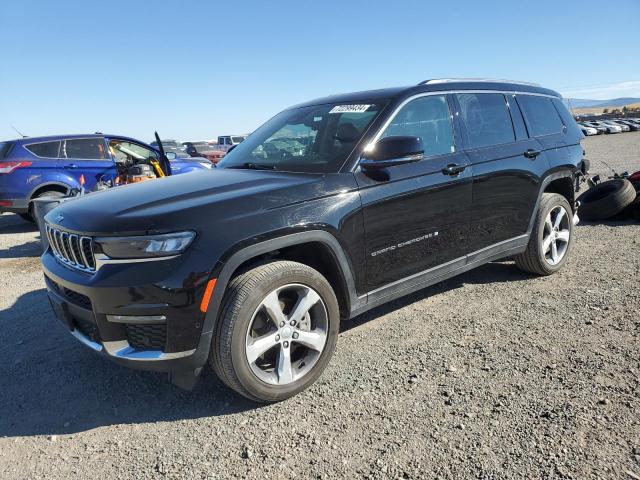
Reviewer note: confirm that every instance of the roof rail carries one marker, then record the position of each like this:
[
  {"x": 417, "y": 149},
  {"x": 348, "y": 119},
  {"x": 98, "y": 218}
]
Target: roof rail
[{"x": 475, "y": 80}]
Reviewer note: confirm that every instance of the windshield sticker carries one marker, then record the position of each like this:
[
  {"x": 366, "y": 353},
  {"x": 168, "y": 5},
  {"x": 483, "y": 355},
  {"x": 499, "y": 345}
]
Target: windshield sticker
[{"x": 349, "y": 108}]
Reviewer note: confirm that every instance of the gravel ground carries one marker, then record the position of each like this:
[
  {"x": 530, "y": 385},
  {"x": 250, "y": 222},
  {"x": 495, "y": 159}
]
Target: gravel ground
[{"x": 494, "y": 374}]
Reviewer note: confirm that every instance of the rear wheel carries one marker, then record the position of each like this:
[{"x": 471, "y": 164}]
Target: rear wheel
[
  {"x": 276, "y": 332},
  {"x": 551, "y": 237}
]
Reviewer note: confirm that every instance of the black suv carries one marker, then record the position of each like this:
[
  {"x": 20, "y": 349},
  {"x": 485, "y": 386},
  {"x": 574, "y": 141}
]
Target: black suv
[{"x": 329, "y": 209}]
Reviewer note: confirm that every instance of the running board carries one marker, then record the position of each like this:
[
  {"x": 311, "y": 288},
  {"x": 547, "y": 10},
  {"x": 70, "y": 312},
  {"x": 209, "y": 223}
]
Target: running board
[{"x": 440, "y": 273}]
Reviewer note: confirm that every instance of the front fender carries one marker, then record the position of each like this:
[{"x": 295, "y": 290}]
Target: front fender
[{"x": 227, "y": 267}]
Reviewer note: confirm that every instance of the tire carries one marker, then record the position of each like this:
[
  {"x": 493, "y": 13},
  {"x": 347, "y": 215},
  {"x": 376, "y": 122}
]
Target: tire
[
  {"x": 548, "y": 237},
  {"x": 243, "y": 314},
  {"x": 606, "y": 199}
]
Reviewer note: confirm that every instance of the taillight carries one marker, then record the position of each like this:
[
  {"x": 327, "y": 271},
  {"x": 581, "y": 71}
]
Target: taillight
[{"x": 8, "y": 167}]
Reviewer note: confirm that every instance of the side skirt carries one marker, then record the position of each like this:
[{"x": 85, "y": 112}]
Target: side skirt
[{"x": 440, "y": 273}]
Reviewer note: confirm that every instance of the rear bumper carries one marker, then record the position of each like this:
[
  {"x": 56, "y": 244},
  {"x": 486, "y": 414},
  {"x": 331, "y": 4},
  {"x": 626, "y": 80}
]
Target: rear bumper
[
  {"x": 172, "y": 342},
  {"x": 18, "y": 205}
]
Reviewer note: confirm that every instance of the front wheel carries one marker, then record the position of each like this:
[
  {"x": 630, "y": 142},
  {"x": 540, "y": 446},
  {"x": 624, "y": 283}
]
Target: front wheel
[
  {"x": 551, "y": 237},
  {"x": 276, "y": 332}
]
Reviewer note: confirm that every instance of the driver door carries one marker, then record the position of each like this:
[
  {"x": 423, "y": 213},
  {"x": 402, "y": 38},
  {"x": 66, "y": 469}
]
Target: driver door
[{"x": 416, "y": 216}]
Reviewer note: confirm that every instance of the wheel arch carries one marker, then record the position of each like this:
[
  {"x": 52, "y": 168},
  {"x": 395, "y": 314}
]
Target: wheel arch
[
  {"x": 564, "y": 186},
  {"x": 318, "y": 249},
  {"x": 49, "y": 186},
  {"x": 558, "y": 180}
]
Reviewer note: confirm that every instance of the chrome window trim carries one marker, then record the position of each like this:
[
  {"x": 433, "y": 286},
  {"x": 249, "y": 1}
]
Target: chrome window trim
[{"x": 387, "y": 122}]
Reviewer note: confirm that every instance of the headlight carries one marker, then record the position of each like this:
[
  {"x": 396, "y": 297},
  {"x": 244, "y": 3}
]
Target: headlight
[
  {"x": 206, "y": 164},
  {"x": 164, "y": 245}
]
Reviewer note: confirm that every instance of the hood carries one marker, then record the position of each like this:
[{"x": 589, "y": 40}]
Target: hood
[{"x": 177, "y": 202}]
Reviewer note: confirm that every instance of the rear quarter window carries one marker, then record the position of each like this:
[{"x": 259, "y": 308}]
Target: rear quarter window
[
  {"x": 572, "y": 126},
  {"x": 5, "y": 148},
  {"x": 45, "y": 149},
  {"x": 541, "y": 116}
]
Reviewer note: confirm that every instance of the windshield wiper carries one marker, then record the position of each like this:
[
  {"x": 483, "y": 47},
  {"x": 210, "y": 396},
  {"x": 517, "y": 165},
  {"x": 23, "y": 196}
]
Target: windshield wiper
[{"x": 254, "y": 166}]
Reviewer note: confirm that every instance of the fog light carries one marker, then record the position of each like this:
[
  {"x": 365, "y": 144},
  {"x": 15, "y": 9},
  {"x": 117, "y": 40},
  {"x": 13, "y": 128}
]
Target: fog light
[{"x": 137, "y": 318}]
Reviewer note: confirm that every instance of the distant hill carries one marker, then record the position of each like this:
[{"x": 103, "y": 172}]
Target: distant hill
[{"x": 614, "y": 102}]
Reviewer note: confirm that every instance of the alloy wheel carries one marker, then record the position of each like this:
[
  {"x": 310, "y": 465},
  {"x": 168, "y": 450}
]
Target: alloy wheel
[
  {"x": 287, "y": 334},
  {"x": 556, "y": 235}
]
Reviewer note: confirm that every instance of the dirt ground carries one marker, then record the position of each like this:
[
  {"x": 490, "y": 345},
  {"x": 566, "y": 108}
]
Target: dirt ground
[{"x": 494, "y": 374}]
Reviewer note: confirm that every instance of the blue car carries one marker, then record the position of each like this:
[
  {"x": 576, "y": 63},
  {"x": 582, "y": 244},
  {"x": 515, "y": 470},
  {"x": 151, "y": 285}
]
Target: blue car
[{"x": 54, "y": 166}]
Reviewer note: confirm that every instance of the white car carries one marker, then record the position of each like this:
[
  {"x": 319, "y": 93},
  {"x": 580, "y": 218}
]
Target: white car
[
  {"x": 588, "y": 130},
  {"x": 610, "y": 127},
  {"x": 623, "y": 128}
]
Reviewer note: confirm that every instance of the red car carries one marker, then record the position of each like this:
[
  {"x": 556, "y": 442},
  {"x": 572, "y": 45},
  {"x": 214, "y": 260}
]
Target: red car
[{"x": 203, "y": 149}]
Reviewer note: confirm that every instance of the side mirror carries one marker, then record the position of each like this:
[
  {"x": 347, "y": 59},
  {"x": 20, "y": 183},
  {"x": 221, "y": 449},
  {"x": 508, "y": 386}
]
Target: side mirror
[
  {"x": 392, "y": 151},
  {"x": 171, "y": 155}
]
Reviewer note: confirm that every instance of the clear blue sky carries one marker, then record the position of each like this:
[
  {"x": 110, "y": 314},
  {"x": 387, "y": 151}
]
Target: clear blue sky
[{"x": 196, "y": 69}]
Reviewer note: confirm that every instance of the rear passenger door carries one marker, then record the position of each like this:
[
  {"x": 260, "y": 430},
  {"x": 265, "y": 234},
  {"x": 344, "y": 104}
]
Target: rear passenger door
[
  {"x": 507, "y": 168},
  {"x": 88, "y": 157},
  {"x": 544, "y": 123}
]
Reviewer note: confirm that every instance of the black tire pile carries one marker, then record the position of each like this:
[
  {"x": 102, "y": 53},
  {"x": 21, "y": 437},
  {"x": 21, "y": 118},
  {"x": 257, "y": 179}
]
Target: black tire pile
[{"x": 618, "y": 197}]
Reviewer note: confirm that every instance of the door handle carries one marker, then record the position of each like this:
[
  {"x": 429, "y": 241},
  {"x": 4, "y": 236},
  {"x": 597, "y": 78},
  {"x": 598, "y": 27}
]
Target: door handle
[
  {"x": 532, "y": 154},
  {"x": 71, "y": 165},
  {"x": 453, "y": 169}
]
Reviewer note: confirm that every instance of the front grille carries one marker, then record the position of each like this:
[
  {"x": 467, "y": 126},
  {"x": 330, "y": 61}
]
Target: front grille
[
  {"x": 146, "y": 337},
  {"x": 72, "y": 249}
]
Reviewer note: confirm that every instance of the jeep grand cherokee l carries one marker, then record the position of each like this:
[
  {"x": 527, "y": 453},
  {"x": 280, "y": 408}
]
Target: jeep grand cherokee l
[{"x": 329, "y": 209}]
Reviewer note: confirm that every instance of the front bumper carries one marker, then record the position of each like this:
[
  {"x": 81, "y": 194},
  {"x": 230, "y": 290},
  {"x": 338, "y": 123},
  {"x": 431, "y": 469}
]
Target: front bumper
[{"x": 87, "y": 303}]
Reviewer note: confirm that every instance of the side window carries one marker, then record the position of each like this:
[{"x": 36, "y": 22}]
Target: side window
[
  {"x": 487, "y": 119},
  {"x": 85, "y": 149},
  {"x": 541, "y": 116},
  {"x": 572, "y": 127},
  {"x": 44, "y": 150},
  {"x": 428, "y": 118},
  {"x": 129, "y": 153}
]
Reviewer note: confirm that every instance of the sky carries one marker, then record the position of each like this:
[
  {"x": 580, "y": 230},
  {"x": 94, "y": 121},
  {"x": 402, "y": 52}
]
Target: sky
[{"x": 193, "y": 70}]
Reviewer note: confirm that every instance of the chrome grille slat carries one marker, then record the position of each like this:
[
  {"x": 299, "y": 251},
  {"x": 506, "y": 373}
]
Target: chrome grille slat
[
  {"x": 72, "y": 249},
  {"x": 64, "y": 240},
  {"x": 74, "y": 243}
]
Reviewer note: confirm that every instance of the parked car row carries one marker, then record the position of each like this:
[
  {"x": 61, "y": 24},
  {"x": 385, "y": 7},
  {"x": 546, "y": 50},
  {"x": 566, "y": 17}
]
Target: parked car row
[
  {"x": 598, "y": 127},
  {"x": 213, "y": 151}
]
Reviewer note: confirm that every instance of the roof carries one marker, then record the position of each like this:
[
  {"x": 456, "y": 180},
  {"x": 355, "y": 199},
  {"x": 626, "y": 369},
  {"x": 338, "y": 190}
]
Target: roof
[
  {"x": 49, "y": 138},
  {"x": 434, "y": 85}
]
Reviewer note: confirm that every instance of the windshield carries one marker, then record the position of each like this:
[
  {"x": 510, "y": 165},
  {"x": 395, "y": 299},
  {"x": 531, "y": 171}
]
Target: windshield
[
  {"x": 201, "y": 146},
  {"x": 318, "y": 138},
  {"x": 235, "y": 140}
]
